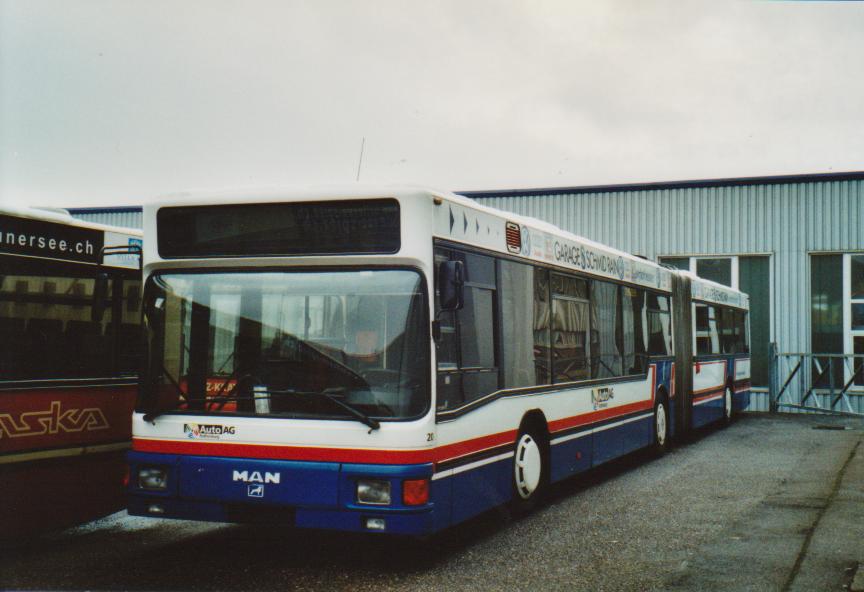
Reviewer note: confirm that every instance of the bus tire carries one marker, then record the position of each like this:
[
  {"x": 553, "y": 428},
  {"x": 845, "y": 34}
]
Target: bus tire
[
  {"x": 661, "y": 425},
  {"x": 530, "y": 471},
  {"x": 728, "y": 411}
]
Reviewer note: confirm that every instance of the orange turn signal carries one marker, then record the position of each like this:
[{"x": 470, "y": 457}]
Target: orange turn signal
[{"x": 415, "y": 492}]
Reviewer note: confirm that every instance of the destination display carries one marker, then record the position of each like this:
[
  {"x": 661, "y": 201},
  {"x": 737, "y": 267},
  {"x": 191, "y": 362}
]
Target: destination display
[{"x": 274, "y": 229}]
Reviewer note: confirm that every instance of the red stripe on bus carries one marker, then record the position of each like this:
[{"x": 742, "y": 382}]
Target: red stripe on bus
[
  {"x": 466, "y": 447},
  {"x": 595, "y": 416},
  {"x": 348, "y": 455},
  {"x": 714, "y": 392}
]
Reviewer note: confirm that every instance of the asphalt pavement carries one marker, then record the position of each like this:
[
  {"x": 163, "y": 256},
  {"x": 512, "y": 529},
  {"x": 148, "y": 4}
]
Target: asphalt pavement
[{"x": 769, "y": 503}]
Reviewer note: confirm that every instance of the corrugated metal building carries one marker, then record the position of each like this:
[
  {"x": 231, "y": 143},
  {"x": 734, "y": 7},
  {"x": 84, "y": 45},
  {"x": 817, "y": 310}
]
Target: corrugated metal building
[
  {"x": 794, "y": 243},
  {"x": 126, "y": 216}
]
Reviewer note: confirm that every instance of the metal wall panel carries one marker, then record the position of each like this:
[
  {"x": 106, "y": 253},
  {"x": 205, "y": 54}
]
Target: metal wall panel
[
  {"x": 125, "y": 217},
  {"x": 786, "y": 220}
]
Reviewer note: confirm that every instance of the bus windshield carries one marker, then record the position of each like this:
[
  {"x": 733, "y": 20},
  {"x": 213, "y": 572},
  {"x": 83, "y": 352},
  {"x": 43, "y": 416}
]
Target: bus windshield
[{"x": 301, "y": 344}]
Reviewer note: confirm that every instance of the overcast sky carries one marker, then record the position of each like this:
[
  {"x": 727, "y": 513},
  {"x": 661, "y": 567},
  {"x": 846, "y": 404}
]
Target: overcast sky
[{"x": 111, "y": 103}]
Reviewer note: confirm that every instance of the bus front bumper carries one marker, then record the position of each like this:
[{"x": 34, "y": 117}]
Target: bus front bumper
[{"x": 302, "y": 494}]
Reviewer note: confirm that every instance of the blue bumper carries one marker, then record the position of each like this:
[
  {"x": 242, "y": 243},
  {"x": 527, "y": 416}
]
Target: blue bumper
[{"x": 292, "y": 493}]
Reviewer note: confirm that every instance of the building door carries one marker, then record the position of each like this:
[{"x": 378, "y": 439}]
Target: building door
[{"x": 754, "y": 280}]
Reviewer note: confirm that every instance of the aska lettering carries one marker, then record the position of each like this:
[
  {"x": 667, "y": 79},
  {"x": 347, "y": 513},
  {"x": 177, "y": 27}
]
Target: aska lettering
[{"x": 52, "y": 421}]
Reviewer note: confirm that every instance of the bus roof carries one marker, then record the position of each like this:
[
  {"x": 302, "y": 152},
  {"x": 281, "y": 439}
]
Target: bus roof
[
  {"x": 544, "y": 237},
  {"x": 59, "y": 216},
  {"x": 714, "y": 292}
]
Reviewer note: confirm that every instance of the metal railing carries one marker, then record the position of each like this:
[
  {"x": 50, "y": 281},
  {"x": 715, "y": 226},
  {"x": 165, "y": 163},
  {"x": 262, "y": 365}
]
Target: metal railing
[{"x": 816, "y": 383}]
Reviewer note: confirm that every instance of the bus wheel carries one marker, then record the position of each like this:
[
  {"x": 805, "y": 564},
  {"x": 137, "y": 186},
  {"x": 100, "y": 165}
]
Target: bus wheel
[
  {"x": 661, "y": 427},
  {"x": 529, "y": 478},
  {"x": 727, "y": 406}
]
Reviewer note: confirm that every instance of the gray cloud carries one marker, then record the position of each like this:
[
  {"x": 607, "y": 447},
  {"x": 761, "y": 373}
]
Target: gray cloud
[{"x": 109, "y": 103}]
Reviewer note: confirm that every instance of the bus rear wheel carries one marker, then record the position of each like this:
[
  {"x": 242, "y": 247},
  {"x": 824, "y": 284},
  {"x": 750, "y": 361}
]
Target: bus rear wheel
[
  {"x": 661, "y": 427},
  {"x": 529, "y": 471},
  {"x": 727, "y": 406}
]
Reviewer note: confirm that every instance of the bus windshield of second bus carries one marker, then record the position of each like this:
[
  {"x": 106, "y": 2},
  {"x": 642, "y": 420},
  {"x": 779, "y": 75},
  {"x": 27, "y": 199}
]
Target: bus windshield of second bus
[{"x": 288, "y": 343}]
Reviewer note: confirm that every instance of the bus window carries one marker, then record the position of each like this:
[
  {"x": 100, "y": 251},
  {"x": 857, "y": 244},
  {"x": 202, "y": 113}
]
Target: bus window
[
  {"x": 570, "y": 328},
  {"x": 523, "y": 363},
  {"x": 659, "y": 326},
  {"x": 631, "y": 336},
  {"x": 51, "y": 333},
  {"x": 467, "y": 363},
  {"x": 605, "y": 356},
  {"x": 726, "y": 329},
  {"x": 477, "y": 328},
  {"x": 707, "y": 337},
  {"x": 742, "y": 343},
  {"x": 542, "y": 320}
]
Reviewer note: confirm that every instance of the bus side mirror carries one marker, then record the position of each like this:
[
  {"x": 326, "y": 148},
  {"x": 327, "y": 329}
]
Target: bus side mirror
[
  {"x": 100, "y": 297},
  {"x": 451, "y": 282}
]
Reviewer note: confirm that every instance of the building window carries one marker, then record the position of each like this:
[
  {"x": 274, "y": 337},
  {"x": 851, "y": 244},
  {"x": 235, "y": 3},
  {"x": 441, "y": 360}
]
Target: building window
[
  {"x": 837, "y": 316},
  {"x": 855, "y": 316},
  {"x": 717, "y": 270}
]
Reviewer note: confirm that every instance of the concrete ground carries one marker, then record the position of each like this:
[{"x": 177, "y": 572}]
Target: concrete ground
[{"x": 770, "y": 503}]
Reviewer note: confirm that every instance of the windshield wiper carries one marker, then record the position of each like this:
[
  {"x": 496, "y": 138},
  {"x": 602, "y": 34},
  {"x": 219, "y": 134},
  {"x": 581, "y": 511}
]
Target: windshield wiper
[{"x": 330, "y": 395}]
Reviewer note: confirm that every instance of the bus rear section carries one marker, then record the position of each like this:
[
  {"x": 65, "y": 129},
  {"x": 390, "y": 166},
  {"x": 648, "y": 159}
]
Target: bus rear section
[
  {"x": 67, "y": 375},
  {"x": 721, "y": 353}
]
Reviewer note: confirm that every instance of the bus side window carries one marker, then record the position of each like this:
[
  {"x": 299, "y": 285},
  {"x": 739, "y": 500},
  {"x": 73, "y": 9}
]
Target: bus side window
[
  {"x": 522, "y": 362},
  {"x": 606, "y": 358},
  {"x": 572, "y": 342},
  {"x": 707, "y": 337},
  {"x": 51, "y": 333},
  {"x": 632, "y": 334},
  {"x": 726, "y": 327},
  {"x": 659, "y": 326},
  {"x": 466, "y": 350},
  {"x": 476, "y": 322},
  {"x": 742, "y": 345}
]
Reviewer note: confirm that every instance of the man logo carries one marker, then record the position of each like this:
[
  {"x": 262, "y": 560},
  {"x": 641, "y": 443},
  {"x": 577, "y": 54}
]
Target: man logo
[
  {"x": 255, "y": 491},
  {"x": 256, "y": 477}
]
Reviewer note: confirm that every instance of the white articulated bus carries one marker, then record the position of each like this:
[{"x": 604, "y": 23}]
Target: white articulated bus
[{"x": 399, "y": 360}]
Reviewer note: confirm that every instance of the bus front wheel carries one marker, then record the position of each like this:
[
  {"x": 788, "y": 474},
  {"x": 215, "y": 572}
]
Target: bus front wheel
[{"x": 529, "y": 471}]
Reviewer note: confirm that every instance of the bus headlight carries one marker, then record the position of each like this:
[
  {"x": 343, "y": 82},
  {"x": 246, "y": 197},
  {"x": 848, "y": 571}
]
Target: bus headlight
[
  {"x": 153, "y": 478},
  {"x": 373, "y": 491}
]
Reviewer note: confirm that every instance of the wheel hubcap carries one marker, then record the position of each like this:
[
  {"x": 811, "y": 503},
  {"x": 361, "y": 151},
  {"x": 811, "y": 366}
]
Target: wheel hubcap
[
  {"x": 528, "y": 466},
  {"x": 661, "y": 424}
]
